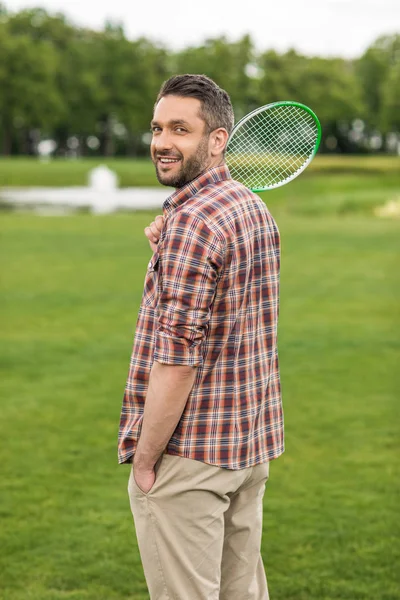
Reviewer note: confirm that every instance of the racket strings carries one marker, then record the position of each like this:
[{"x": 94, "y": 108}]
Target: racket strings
[
  {"x": 272, "y": 146},
  {"x": 274, "y": 134},
  {"x": 290, "y": 154},
  {"x": 279, "y": 166}
]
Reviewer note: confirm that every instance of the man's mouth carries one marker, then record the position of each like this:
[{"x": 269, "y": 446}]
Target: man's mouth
[{"x": 166, "y": 160}]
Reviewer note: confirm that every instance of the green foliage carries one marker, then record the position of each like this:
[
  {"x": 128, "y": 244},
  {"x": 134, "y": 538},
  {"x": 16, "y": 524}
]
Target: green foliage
[
  {"x": 390, "y": 110},
  {"x": 59, "y": 80},
  {"x": 328, "y": 86},
  {"x": 378, "y": 71},
  {"x": 280, "y": 75},
  {"x": 28, "y": 96},
  {"x": 227, "y": 64}
]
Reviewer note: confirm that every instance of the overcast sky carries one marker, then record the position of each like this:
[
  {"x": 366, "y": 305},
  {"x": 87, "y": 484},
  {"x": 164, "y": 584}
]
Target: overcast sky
[{"x": 320, "y": 27}]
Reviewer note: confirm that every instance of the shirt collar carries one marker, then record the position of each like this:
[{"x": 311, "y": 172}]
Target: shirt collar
[{"x": 182, "y": 194}]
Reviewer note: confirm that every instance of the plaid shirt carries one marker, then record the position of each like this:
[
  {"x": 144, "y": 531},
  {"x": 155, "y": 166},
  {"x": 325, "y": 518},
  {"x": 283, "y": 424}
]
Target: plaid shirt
[{"x": 210, "y": 300}]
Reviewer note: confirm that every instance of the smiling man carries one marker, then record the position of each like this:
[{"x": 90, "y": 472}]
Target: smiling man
[
  {"x": 202, "y": 412},
  {"x": 181, "y": 162}
]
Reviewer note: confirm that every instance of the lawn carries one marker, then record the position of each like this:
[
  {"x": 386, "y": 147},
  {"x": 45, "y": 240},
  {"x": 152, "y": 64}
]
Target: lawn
[
  {"x": 25, "y": 171},
  {"x": 71, "y": 288},
  {"x": 330, "y": 185}
]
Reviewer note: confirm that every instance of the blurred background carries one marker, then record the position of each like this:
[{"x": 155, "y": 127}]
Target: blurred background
[
  {"x": 72, "y": 90},
  {"x": 77, "y": 86}
]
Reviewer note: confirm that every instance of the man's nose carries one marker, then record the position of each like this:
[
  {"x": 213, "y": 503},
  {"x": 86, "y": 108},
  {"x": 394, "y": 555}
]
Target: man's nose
[{"x": 162, "y": 141}]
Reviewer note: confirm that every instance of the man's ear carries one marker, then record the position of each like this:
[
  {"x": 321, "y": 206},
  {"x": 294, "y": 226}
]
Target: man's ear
[{"x": 218, "y": 140}]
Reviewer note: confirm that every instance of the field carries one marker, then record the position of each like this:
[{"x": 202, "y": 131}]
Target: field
[
  {"x": 140, "y": 172},
  {"x": 71, "y": 288}
]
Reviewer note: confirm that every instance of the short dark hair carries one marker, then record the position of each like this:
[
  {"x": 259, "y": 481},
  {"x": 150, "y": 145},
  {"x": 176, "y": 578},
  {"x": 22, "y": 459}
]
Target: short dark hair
[{"x": 216, "y": 107}]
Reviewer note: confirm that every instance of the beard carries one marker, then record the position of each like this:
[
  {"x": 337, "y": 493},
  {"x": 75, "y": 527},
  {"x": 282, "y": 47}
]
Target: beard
[{"x": 190, "y": 168}]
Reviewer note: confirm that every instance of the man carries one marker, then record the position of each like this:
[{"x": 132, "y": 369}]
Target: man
[{"x": 202, "y": 414}]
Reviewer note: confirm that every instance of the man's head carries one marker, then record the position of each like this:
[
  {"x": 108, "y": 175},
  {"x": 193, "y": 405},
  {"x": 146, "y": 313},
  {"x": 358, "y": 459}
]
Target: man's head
[{"x": 192, "y": 120}]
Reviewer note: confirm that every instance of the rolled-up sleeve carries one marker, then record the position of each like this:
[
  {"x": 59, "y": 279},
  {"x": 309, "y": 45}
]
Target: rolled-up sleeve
[{"x": 192, "y": 261}]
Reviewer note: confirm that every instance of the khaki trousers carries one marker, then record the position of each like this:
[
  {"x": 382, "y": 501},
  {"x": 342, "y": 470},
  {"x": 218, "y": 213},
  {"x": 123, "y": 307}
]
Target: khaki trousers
[{"x": 199, "y": 531}]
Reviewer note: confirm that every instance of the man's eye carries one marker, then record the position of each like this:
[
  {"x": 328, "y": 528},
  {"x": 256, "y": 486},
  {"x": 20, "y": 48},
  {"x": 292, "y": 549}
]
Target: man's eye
[
  {"x": 155, "y": 129},
  {"x": 180, "y": 130}
]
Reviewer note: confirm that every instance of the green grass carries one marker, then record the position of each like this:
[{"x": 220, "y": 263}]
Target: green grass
[
  {"x": 71, "y": 288},
  {"x": 331, "y": 185},
  {"x": 25, "y": 171},
  {"x": 22, "y": 172}
]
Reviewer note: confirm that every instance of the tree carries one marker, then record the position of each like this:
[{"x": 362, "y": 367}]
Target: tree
[
  {"x": 71, "y": 81},
  {"x": 227, "y": 63},
  {"x": 130, "y": 74},
  {"x": 28, "y": 97},
  {"x": 331, "y": 88},
  {"x": 390, "y": 109},
  {"x": 75, "y": 80},
  {"x": 280, "y": 76},
  {"x": 377, "y": 70}
]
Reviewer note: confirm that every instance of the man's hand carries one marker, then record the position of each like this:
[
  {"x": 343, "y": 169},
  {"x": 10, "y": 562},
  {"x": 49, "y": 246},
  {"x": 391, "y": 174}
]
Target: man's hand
[
  {"x": 153, "y": 232},
  {"x": 144, "y": 478},
  {"x": 167, "y": 394}
]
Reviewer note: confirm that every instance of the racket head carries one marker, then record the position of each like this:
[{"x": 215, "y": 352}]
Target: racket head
[{"x": 272, "y": 145}]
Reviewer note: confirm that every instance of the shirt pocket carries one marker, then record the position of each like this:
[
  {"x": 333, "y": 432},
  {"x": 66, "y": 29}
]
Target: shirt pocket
[{"x": 150, "y": 292}]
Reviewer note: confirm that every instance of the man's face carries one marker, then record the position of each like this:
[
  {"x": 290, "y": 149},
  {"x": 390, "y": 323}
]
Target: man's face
[{"x": 180, "y": 147}]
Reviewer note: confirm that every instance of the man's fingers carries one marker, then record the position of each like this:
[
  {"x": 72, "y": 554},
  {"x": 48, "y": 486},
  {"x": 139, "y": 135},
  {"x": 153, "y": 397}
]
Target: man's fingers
[
  {"x": 153, "y": 231},
  {"x": 157, "y": 225},
  {"x": 159, "y": 220},
  {"x": 150, "y": 235}
]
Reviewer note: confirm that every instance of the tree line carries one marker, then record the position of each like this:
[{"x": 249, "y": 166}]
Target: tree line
[{"x": 85, "y": 92}]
